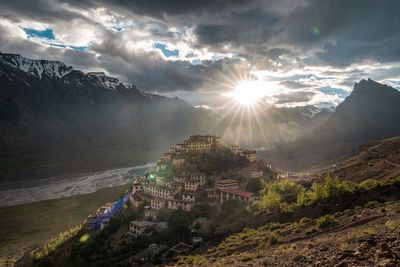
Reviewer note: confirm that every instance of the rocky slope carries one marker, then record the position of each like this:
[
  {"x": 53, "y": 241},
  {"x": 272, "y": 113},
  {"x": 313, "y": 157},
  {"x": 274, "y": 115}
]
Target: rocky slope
[
  {"x": 55, "y": 120},
  {"x": 359, "y": 237},
  {"x": 379, "y": 160}
]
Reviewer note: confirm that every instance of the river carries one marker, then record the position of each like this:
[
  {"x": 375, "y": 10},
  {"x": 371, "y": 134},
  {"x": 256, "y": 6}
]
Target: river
[{"x": 53, "y": 188}]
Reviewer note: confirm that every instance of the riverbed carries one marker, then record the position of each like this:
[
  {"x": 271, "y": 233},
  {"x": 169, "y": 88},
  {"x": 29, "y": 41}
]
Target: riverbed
[{"x": 22, "y": 192}]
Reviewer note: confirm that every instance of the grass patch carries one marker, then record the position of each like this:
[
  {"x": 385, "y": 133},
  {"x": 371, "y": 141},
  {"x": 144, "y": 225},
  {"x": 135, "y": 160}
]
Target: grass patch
[
  {"x": 54, "y": 243},
  {"x": 326, "y": 221},
  {"x": 372, "y": 203},
  {"x": 192, "y": 260},
  {"x": 49, "y": 217},
  {"x": 393, "y": 224},
  {"x": 304, "y": 220}
]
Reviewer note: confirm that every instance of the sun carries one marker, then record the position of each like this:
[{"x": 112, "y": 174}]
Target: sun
[{"x": 248, "y": 93}]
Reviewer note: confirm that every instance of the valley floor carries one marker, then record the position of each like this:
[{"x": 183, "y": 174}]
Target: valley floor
[
  {"x": 357, "y": 237},
  {"x": 27, "y": 226}
]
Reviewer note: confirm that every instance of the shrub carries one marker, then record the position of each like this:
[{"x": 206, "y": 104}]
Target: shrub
[
  {"x": 325, "y": 221},
  {"x": 55, "y": 243},
  {"x": 369, "y": 184},
  {"x": 254, "y": 185},
  {"x": 192, "y": 260},
  {"x": 311, "y": 230},
  {"x": 276, "y": 193},
  {"x": 371, "y": 203},
  {"x": 393, "y": 224},
  {"x": 271, "y": 226},
  {"x": 269, "y": 240},
  {"x": 304, "y": 220},
  {"x": 246, "y": 257},
  {"x": 270, "y": 200}
]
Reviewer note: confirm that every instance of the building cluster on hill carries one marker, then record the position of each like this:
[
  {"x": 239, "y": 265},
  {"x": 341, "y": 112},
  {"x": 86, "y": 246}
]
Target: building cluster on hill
[
  {"x": 195, "y": 143},
  {"x": 184, "y": 188}
]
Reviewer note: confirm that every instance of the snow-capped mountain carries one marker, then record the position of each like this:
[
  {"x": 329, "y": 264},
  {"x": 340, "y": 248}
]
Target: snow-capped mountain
[
  {"x": 37, "y": 68},
  {"x": 58, "y": 70},
  {"x": 74, "y": 121}
]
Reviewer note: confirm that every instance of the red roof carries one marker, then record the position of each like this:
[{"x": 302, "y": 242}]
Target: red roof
[
  {"x": 238, "y": 192},
  {"x": 249, "y": 151}
]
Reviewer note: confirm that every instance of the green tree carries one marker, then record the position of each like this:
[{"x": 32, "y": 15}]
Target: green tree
[
  {"x": 201, "y": 209},
  {"x": 271, "y": 200},
  {"x": 254, "y": 185},
  {"x": 179, "y": 221}
]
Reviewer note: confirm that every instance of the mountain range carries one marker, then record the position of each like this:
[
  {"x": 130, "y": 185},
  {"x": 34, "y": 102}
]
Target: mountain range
[
  {"x": 55, "y": 119},
  {"x": 370, "y": 113}
]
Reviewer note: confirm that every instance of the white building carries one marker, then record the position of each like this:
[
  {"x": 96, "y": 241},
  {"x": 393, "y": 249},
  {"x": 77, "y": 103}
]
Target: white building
[
  {"x": 228, "y": 183},
  {"x": 212, "y": 193},
  {"x": 175, "y": 204},
  {"x": 237, "y": 150},
  {"x": 159, "y": 191},
  {"x": 256, "y": 174},
  {"x": 136, "y": 187},
  {"x": 190, "y": 196},
  {"x": 234, "y": 193},
  {"x": 191, "y": 185},
  {"x": 199, "y": 177},
  {"x": 157, "y": 203},
  {"x": 178, "y": 161},
  {"x": 250, "y": 154},
  {"x": 137, "y": 228},
  {"x": 198, "y": 143}
]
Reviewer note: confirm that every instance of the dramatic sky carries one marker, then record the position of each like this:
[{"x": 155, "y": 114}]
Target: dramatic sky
[{"x": 300, "y": 51}]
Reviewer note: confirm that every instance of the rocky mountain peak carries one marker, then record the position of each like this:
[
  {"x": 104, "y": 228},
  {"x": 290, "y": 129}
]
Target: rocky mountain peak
[
  {"x": 370, "y": 87},
  {"x": 38, "y": 68},
  {"x": 102, "y": 79}
]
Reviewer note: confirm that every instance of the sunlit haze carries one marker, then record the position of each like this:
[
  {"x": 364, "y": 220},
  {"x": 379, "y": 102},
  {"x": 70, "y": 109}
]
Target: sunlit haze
[{"x": 250, "y": 92}]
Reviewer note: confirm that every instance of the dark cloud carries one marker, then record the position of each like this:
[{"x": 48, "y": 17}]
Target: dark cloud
[
  {"x": 162, "y": 8},
  {"x": 240, "y": 28},
  {"x": 293, "y": 84},
  {"x": 43, "y": 10},
  {"x": 300, "y": 96},
  {"x": 347, "y": 31}
]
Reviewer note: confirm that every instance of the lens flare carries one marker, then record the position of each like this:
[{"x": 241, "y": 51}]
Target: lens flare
[{"x": 248, "y": 93}]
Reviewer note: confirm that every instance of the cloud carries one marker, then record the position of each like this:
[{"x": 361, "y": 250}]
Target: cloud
[
  {"x": 315, "y": 50},
  {"x": 299, "y": 96},
  {"x": 293, "y": 84}
]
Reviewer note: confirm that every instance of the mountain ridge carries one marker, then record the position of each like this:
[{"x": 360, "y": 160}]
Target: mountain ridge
[
  {"x": 371, "y": 112},
  {"x": 82, "y": 122}
]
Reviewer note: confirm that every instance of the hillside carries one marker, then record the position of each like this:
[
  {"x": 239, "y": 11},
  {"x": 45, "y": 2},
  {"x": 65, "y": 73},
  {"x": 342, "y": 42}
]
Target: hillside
[
  {"x": 360, "y": 237},
  {"x": 330, "y": 223},
  {"x": 370, "y": 113},
  {"x": 56, "y": 120},
  {"x": 380, "y": 160},
  {"x": 271, "y": 225}
]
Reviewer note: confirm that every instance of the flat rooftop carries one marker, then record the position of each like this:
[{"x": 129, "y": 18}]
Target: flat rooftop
[
  {"x": 227, "y": 181},
  {"x": 238, "y": 192}
]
